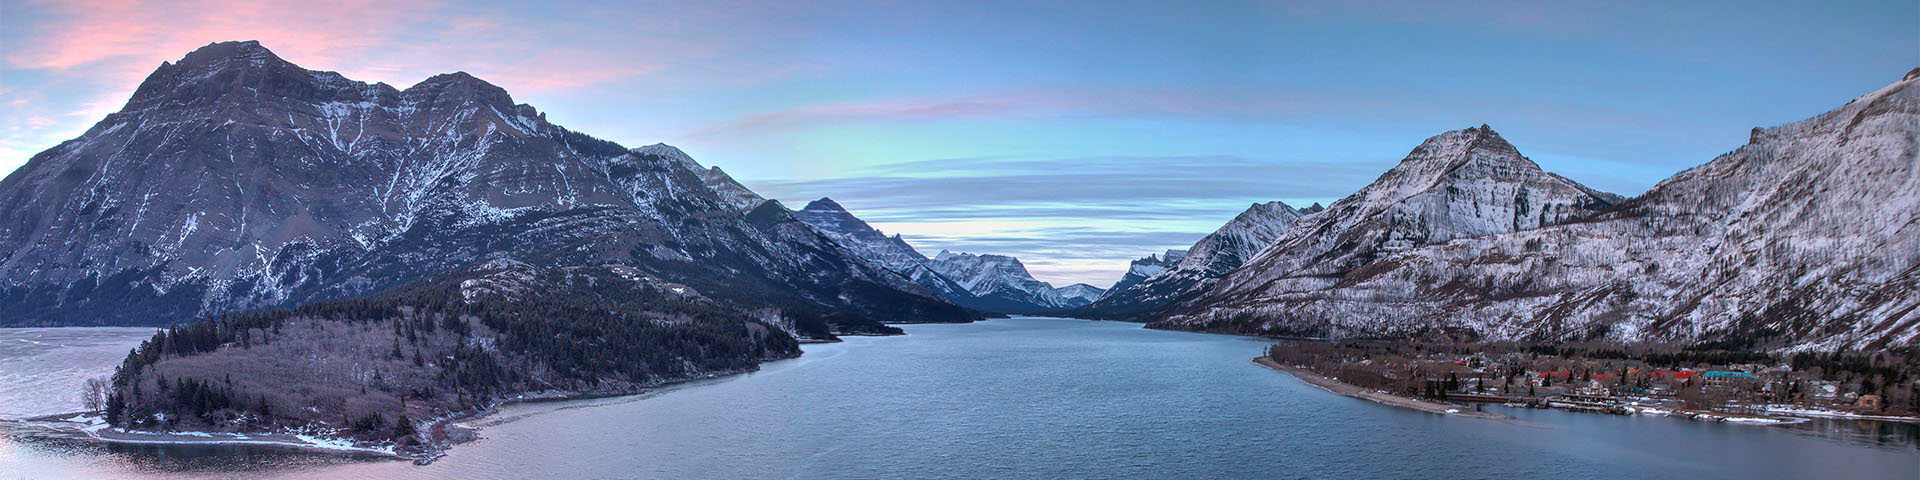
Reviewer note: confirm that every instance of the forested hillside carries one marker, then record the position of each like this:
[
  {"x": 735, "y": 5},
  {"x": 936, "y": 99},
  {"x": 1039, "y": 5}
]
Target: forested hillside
[{"x": 382, "y": 368}]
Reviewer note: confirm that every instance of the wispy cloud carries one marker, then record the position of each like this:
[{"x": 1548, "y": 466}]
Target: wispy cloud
[
  {"x": 855, "y": 112},
  {"x": 1567, "y": 127},
  {"x": 1071, "y": 219},
  {"x": 1078, "y": 186}
]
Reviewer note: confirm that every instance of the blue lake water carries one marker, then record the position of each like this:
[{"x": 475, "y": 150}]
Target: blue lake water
[{"x": 1034, "y": 398}]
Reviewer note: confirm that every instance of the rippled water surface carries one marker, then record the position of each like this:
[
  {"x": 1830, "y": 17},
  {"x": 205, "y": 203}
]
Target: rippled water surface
[{"x": 1035, "y": 398}]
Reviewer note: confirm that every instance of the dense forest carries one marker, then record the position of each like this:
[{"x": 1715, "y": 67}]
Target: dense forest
[{"x": 369, "y": 368}]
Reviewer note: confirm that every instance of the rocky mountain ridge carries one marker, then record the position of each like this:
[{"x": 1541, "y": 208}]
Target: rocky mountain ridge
[
  {"x": 1806, "y": 238},
  {"x": 234, "y": 180},
  {"x": 989, "y": 283},
  {"x": 1198, "y": 266}
]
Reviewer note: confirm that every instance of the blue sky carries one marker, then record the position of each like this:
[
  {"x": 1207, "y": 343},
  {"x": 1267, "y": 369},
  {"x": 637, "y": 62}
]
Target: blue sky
[{"x": 1074, "y": 135}]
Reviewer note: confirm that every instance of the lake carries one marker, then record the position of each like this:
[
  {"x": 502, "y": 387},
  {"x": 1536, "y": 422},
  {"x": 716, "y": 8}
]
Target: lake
[{"x": 1027, "y": 398}]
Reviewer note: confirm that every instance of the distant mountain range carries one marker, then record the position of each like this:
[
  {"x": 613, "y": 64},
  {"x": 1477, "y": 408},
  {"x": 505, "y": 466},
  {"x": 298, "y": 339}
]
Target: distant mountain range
[
  {"x": 988, "y": 283},
  {"x": 234, "y": 181},
  {"x": 1806, "y": 238},
  {"x": 1195, "y": 268}
]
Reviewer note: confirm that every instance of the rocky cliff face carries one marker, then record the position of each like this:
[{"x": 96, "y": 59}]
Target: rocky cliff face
[
  {"x": 234, "y": 180},
  {"x": 1198, "y": 267},
  {"x": 1805, "y": 238}
]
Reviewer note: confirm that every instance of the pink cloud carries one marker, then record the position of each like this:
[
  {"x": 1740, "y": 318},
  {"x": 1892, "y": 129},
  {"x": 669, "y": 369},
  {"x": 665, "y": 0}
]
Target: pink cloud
[{"x": 87, "y": 56}]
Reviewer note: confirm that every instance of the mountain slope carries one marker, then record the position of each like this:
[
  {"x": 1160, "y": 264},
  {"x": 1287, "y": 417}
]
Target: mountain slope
[
  {"x": 1199, "y": 266},
  {"x": 1805, "y": 238},
  {"x": 1079, "y": 294},
  {"x": 234, "y": 180},
  {"x": 988, "y": 283},
  {"x": 1141, "y": 269},
  {"x": 834, "y": 221},
  {"x": 999, "y": 283}
]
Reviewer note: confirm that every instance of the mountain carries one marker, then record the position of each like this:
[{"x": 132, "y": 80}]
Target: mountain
[
  {"x": 1079, "y": 294},
  {"x": 1213, "y": 256},
  {"x": 1806, "y": 238},
  {"x": 1143, "y": 268},
  {"x": 988, "y": 283},
  {"x": 731, "y": 193},
  {"x": 837, "y": 223},
  {"x": 999, "y": 283},
  {"x": 233, "y": 180},
  {"x": 834, "y": 221}
]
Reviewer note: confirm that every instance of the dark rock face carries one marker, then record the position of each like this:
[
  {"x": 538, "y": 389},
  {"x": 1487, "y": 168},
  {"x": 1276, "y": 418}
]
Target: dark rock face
[{"x": 234, "y": 180}]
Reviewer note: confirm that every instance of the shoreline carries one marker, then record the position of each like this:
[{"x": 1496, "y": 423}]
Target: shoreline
[
  {"x": 1338, "y": 387},
  {"x": 88, "y": 426}
]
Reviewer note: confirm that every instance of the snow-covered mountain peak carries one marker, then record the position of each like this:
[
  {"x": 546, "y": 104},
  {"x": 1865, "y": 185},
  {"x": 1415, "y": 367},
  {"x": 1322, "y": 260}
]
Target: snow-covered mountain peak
[
  {"x": 235, "y": 180},
  {"x": 1079, "y": 294},
  {"x": 1000, "y": 280},
  {"x": 1806, "y": 238},
  {"x": 1152, "y": 283}
]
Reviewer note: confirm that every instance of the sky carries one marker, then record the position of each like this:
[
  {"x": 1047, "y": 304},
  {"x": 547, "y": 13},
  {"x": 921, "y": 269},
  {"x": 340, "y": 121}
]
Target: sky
[{"x": 1073, "y": 135}]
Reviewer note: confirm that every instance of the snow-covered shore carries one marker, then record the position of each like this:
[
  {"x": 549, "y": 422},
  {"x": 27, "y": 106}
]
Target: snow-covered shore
[{"x": 95, "y": 427}]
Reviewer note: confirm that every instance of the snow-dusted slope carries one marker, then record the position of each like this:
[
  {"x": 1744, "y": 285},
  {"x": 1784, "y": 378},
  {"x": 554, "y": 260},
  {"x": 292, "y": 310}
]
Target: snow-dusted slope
[
  {"x": 235, "y": 180},
  {"x": 894, "y": 253},
  {"x": 730, "y": 192},
  {"x": 1001, "y": 283},
  {"x": 1213, "y": 256},
  {"x": 1078, "y": 294},
  {"x": 1808, "y": 237},
  {"x": 1141, "y": 269},
  {"x": 988, "y": 283},
  {"x": 839, "y": 224}
]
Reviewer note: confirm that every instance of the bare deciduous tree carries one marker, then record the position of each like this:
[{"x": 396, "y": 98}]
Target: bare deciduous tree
[{"x": 93, "y": 394}]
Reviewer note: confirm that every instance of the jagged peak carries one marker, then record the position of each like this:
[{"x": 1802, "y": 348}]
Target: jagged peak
[
  {"x": 217, "y": 53},
  {"x": 674, "y": 154},
  {"x": 463, "y": 84},
  {"x": 1263, "y": 212},
  {"x": 824, "y": 204},
  {"x": 663, "y": 150},
  {"x": 212, "y": 71},
  {"x": 1429, "y": 164},
  {"x": 1275, "y": 205}
]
